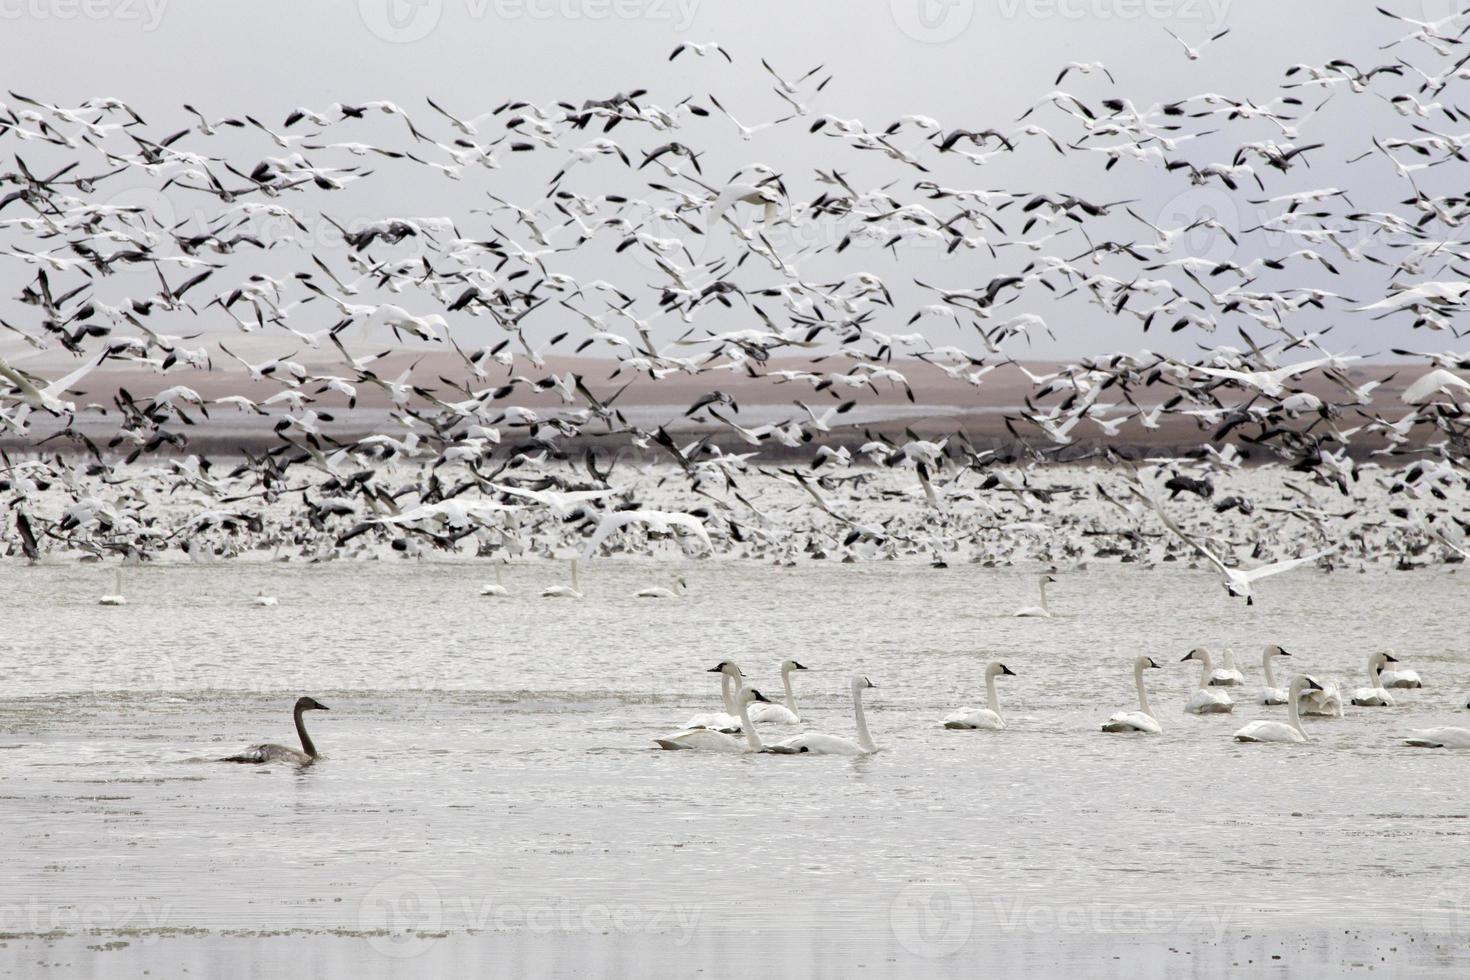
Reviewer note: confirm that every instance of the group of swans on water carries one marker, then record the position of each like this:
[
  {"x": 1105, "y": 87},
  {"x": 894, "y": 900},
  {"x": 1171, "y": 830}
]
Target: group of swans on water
[{"x": 117, "y": 598}]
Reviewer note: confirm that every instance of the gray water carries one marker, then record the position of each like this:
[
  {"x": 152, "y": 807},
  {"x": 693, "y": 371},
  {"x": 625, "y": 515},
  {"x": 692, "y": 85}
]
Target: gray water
[{"x": 490, "y": 799}]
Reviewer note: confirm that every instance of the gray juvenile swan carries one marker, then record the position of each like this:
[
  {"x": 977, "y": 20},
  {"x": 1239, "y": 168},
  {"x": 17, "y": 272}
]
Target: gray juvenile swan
[{"x": 280, "y": 753}]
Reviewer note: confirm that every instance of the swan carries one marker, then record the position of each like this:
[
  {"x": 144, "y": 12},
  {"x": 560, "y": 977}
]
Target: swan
[
  {"x": 659, "y": 592},
  {"x": 1228, "y": 675},
  {"x": 989, "y": 717},
  {"x": 776, "y": 714},
  {"x": 564, "y": 591},
  {"x": 1399, "y": 678},
  {"x": 1206, "y": 700},
  {"x": 1326, "y": 702},
  {"x": 1271, "y": 694},
  {"x": 1374, "y": 696},
  {"x": 280, "y": 753},
  {"x": 708, "y": 740},
  {"x": 1440, "y": 738},
  {"x": 727, "y": 721},
  {"x": 498, "y": 589},
  {"x": 261, "y": 599},
  {"x": 1282, "y": 731},
  {"x": 835, "y": 744},
  {"x": 117, "y": 598},
  {"x": 1041, "y": 611},
  {"x": 1143, "y": 719}
]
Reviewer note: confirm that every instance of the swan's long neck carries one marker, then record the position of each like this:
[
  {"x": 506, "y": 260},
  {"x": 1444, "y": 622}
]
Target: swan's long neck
[
  {"x": 726, "y": 695},
  {"x": 751, "y": 737},
  {"x": 1374, "y": 669},
  {"x": 1043, "y": 595},
  {"x": 306, "y": 743},
  {"x": 575, "y": 586},
  {"x": 790, "y": 698},
  {"x": 1142, "y": 694},
  {"x": 992, "y": 701},
  {"x": 864, "y": 738},
  {"x": 1266, "y": 667},
  {"x": 497, "y": 574},
  {"x": 1206, "y": 666},
  {"x": 1294, "y": 711}
]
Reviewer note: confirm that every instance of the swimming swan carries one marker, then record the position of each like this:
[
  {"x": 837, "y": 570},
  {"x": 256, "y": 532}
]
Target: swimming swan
[
  {"x": 564, "y": 591},
  {"x": 1282, "y": 731},
  {"x": 727, "y": 721},
  {"x": 708, "y": 740},
  {"x": 834, "y": 744},
  {"x": 1271, "y": 694},
  {"x": 1143, "y": 719},
  {"x": 1374, "y": 696},
  {"x": 498, "y": 589},
  {"x": 659, "y": 592},
  {"x": 776, "y": 714},
  {"x": 1440, "y": 738},
  {"x": 1228, "y": 675},
  {"x": 1042, "y": 611},
  {"x": 1206, "y": 700},
  {"x": 989, "y": 717},
  {"x": 280, "y": 753},
  {"x": 261, "y": 599},
  {"x": 1399, "y": 678},
  {"x": 117, "y": 598}
]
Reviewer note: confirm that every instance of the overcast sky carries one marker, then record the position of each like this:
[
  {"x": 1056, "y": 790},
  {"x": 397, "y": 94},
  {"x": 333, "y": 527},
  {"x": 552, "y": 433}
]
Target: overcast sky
[{"x": 967, "y": 62}]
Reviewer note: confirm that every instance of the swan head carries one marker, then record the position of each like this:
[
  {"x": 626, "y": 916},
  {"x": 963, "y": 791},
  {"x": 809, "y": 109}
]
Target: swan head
[
  {"x": 1202, "y": 654},
  {"x": 310, "y": 704},
  {"x": 1276, "y": 651},
  {"x": 998, "y": 669},
  {"x": 860, "y": 683},
  {"x": 1303, "y": 683},
  {"x": 725, "y": 667},
  {"x": 748, "y": 695},
  {"x": 787, "y": 665},
  {"x": 1048, "y": 580},
  {"x": 1146, "y": 663}
]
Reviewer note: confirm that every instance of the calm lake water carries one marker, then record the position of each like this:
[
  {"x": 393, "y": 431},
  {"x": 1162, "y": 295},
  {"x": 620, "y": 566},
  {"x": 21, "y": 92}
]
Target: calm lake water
[{"x": 490, "y": 799}]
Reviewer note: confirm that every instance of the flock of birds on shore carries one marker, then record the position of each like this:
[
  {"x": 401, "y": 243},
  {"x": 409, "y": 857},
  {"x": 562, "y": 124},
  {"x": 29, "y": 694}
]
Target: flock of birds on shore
[{"x": 627, "y": 178}]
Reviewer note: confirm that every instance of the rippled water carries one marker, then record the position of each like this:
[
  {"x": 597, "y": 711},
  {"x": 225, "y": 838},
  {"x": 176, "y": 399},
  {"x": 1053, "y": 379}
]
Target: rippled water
[{"x": 490, "y": 799}]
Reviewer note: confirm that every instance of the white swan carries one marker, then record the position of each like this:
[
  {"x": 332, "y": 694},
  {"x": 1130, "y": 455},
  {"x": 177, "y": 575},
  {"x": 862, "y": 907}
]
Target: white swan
[
  {"x": 1374, "y": 696},
  {"x": 989, "y": 717},
  {"x": 1282, "y": 731},
  {"x": 1325, "y": 702},
  {"x": 776, "y": 714},
  {"x": 1399, "y": 678},
  {"x": 1440, "y": 738},
  {"x": 1228, "y": 675},
  {"x": 498, "y": 589},
  {"x": 1143, "y": 719},
  {"x": 1042, "y": 611},
  {"x": 1206, "y": 700},
  {"x": 1271, "y": 694},
  {"x": 708, "y": 740},
  {"x": 727, "y": 721},
  {"x": 564, "y": 591},
  {"x": 261, "y": 599},
  {"x": 117, "y": 598},
  {"x": 659, "y": 592},
  {"x": 835, "y": 744}
]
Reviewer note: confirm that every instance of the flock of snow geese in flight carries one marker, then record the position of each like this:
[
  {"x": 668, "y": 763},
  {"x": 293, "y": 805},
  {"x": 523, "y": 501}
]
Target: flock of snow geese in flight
[{"x": 462, "y": 463}]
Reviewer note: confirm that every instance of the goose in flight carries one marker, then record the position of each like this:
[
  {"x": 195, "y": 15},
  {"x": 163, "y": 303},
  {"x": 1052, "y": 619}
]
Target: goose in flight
[
  {"x": 1278, "y": 731},
  {"x": 1374, "y": 696},
  {"x": 835, "y": 744},
  {"x": 116, "y": 598},
  {"x": 657, "y": 521},
  {"x": 988, "y": 718},
  {"x": 1237, "y": 582},
  {"x": 1440, "y": 738},
  {"x": 1143, "y": 719},
  {"x": 572, "y": 591},
  {"x": 1193, "y": 53},
  {"x": 677, "y": 590},
  {"x": 1399, "y": 678},
  {"x": 280, "y": 753},
  {"x": 1206, "y": 700},
  {"x": 709, "y": 740},
  {"x": 777, "y": 714},
  {"x": 1271, "y": 694},
  {"x": 1042, "y": 611},
  {"x": 48, "y": 398}
]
